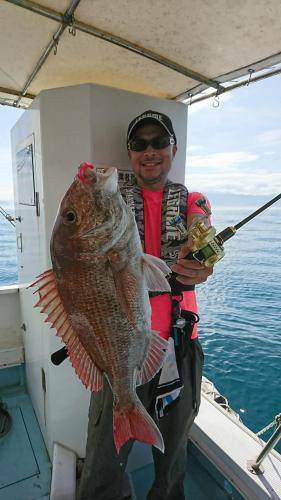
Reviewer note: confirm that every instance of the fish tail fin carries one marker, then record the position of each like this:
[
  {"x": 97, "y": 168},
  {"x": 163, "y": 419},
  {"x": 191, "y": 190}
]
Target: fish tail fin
[{"x": 135, "y": 423}]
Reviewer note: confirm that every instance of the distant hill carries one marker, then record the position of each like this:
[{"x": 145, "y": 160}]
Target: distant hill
[{"x": 236, "y": 200}]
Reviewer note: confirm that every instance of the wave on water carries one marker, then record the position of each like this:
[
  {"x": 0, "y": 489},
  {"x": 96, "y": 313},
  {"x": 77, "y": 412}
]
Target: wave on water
[{"x": 240, "y": 318}]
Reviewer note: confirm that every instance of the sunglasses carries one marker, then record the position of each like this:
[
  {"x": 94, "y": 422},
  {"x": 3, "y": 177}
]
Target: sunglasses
[{"x": 156, "y": 143}]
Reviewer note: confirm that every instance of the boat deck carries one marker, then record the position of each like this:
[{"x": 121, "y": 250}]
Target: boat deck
[
  {"x": 25, "y": 468},
  {"x": 202, "y": 481}
]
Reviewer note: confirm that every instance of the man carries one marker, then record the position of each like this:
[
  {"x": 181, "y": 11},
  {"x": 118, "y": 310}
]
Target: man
[{"x": 152, "y": 146}]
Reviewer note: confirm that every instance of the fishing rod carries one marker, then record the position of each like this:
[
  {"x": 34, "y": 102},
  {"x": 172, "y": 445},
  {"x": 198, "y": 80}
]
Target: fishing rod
[
  {"x": 207, "y": 248},
  {"x": 8, "y": 217},
  {"x": 207, "y": 245}
]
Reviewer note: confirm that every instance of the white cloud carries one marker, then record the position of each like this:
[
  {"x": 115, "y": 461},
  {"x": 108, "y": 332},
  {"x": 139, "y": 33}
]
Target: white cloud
[
  {"x": 270, "y": 136},
  {"x": 232, "y": 172},
  {"x": 222, "y": 160},
  {"x": 194, "y": 147}
]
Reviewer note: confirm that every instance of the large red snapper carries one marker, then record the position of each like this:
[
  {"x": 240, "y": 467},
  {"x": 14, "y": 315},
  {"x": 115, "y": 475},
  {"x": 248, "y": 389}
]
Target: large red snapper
[{"x": 96, "y": 296}]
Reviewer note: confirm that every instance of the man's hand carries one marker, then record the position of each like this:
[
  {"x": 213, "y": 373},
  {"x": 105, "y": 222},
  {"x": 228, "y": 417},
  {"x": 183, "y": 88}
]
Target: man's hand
[{"x": 190, "y": 272}]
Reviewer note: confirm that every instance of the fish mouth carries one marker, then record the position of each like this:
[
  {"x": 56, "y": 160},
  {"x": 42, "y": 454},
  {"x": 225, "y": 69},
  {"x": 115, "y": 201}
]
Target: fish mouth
[
  {"x": 104, "y": 178},
  {"x": 86, "y": 173},
  {"x": 108, "y": 179},
  {"x": 104, "y": 181}
]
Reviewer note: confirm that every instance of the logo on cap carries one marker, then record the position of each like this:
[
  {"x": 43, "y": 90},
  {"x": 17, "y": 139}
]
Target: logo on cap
[{"x": 158, "y": 117}]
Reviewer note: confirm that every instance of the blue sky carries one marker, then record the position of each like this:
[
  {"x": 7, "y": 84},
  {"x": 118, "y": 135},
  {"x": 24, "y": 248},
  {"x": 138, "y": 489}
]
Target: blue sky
[
  {"x": 233, "y": 148},
  {"x": 236, "y": 147}
]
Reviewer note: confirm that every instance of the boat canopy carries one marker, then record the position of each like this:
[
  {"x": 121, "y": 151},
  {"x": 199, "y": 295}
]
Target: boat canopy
[{"x": 172, "y": 49}]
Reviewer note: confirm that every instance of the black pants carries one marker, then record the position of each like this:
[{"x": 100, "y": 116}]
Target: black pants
[{"x": 103, "y": 471}]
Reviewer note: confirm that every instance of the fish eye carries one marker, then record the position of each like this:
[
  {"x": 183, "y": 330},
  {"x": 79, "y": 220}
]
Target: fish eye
[{"x": 69, "y": 216}]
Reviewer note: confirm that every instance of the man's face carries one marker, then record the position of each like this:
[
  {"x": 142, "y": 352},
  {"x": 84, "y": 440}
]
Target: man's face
[{"x": 151, "y": 166}]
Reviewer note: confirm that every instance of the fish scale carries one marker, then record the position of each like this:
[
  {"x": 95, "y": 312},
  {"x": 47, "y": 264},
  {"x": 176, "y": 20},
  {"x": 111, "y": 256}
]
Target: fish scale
[{"x": 96, "y": 297}]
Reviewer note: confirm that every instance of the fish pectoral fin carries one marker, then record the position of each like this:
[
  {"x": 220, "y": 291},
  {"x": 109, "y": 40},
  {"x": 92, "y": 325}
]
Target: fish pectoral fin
[
  {"x": 50, "y": 303},
  {"x": 154, "y": 359},
  {"x": 155, "y": 271}
]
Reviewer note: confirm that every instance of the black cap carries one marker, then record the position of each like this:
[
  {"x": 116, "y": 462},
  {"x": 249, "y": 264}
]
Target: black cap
[{"x": 151, "y": 117}]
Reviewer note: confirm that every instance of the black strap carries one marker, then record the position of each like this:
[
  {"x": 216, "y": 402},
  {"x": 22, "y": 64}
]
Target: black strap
[
  {"x": 176, "y": 287},
  {"x": 155, "y": 294},
  {"x": 182, "y": 328}
]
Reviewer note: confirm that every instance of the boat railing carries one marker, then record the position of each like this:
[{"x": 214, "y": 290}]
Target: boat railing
[
  {"x": 254, "y": 466},
  {"x": 9, "y": 217}
]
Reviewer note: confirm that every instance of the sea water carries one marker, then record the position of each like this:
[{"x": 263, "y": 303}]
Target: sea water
[
  {"x": 240, "y": 317},
  {"x": 240, "y": 313},
  {"x": 8, "y": 253}
]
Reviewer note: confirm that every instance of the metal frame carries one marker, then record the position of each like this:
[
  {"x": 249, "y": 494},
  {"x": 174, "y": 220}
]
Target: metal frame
[
  {"x": 5, "y": 90},
  {"x": 189, "y": 98},
  {"x": 254, "y": 466},
  {"x": 67, "y": 19},
  {"x": 8, "y": 91}
]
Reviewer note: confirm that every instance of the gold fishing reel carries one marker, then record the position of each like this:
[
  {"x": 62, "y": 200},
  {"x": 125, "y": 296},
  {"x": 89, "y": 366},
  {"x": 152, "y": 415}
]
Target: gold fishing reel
[{"x": 207, "y": 248}]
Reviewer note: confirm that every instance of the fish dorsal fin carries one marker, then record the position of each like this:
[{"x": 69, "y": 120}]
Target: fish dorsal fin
[
  {"x": 155, "y": 271},
  {"x": 50, "y": 303},
  {"x": 154, "y": 359}
]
